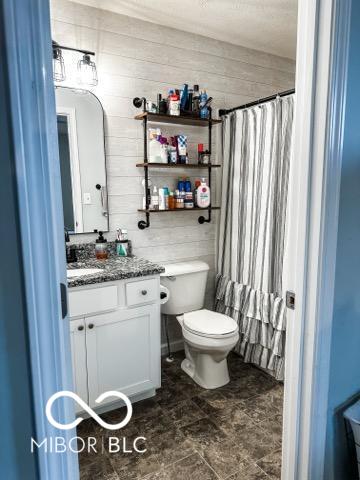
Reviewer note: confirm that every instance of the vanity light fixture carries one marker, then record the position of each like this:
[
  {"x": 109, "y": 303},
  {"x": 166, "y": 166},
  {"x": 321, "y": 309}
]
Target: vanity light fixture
[
  {"x": 58, "y": 64},
  {"x": 86, "y": 67},
  {"x": 87, "y": 71}
]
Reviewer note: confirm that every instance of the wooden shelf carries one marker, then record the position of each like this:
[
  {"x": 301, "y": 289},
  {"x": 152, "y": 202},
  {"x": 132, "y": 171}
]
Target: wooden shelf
[
  {"x": 178, "y": 120},
  {"x": 196, "y": 209},
  {"x": 177, "y": 165}
]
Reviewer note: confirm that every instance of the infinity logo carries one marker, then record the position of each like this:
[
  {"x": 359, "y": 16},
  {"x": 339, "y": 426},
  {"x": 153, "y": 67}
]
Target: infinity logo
[{"x": 90, "y": 411}]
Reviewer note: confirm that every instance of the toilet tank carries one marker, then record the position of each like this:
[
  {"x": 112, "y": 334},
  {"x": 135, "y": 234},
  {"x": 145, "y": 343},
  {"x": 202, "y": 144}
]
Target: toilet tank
[{"x": 186, "y": 282}]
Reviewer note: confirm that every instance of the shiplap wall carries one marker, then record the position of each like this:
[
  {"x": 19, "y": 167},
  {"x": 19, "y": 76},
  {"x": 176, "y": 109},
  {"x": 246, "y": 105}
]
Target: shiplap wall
[{"x": 137, "y": 58}]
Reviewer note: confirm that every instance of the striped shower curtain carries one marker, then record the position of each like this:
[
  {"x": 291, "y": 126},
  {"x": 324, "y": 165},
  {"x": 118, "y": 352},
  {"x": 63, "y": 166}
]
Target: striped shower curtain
[{"x": 256, "y": 157}]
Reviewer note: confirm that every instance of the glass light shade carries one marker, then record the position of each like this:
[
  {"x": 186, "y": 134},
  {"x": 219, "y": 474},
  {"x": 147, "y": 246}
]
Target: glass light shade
[
  {"x": 58, "y": 65},
  {"x": 87, "y": 71}
]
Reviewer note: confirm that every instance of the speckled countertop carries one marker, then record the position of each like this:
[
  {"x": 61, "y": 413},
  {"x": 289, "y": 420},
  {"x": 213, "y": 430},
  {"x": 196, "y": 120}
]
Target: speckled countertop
[{"x": 114, "y": 268}]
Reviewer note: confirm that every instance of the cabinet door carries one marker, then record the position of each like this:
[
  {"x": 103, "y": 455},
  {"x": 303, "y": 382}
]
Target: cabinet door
[
  {"x": 78, "y": 357},
  {"x": 123, "y": 352}
]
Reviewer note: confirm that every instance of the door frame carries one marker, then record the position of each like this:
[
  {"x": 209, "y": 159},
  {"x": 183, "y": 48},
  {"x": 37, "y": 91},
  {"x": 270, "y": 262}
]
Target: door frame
[
  {"x": 323, "y": 30},
  {"x": 321, "y": 75},
  {"x": 31, "y": 96}
]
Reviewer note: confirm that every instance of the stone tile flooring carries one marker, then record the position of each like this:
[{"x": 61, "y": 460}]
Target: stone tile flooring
[{"x": 231, "y": 433}]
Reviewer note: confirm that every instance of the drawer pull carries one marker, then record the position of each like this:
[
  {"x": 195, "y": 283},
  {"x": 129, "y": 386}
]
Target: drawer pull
[
  {"x": 81, "y": 327},
  {"x": 144, "y": 292},
  {"x": 91, "y": 325}
]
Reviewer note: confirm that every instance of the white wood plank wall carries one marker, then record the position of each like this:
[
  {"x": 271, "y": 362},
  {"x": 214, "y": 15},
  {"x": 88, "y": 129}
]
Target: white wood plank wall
[{"x": 137, "y": 58}]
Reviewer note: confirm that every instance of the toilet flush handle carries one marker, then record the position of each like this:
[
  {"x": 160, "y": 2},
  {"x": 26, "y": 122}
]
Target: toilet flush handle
[{"x": 172, "y": 279}]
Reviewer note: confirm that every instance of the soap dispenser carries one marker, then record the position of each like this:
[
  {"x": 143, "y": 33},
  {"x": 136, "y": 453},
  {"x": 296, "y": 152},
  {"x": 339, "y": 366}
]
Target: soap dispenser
[{"x": 101, "y": 250}]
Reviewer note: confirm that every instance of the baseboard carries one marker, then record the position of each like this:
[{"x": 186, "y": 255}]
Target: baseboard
[{"x": 175, "y": 346}]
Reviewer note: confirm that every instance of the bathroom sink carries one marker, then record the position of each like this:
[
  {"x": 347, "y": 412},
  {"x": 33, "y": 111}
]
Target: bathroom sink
[{"x": 78, "y": 272}]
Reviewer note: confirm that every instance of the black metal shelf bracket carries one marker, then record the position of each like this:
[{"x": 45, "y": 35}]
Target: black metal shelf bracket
[
  {"x": 142, "y": 224},
  {"x": 202, "y": 219}
]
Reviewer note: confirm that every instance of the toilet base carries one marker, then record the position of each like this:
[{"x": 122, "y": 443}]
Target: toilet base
[
  {"x": 207, "y": 373},
  {"x": 206, "y": 357}
]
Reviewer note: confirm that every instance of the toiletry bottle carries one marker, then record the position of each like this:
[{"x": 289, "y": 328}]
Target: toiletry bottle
[
  {"x": 101, "y": 251},
  {"x": 159, "y": 99},
  {"x": 154, "y": 145},
  {"x": 164, "y": 149},
  {"x": 200, "y": 152},
  {"x": 179, "y": 200},
  {"x": 197, "y": 185},
  {"x": 181, "y": 186},
  {"x": 189, "y": 105},
  {"x": 171, "y": 201},
  {"x": 204, "y": 112},
  {"x": 172, "y": 154},
  {"x": 184, "y": 97},
  {"x": 174, "y": 105},
  {"x": 195, "y": 99},
  {"x": 166, "y": 196},
  {"x": 182, "y": 149},
  {"x": 162, "y": 205},
  {"x": 122, "y": 243},
  {"x": 155, "y": 199},
  {"x": 203, "y": 195},
  {"x": 189, "y": 201}
]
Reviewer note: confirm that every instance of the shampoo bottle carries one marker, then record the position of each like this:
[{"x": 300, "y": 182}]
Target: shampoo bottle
[{"x": 203, "y": 195}]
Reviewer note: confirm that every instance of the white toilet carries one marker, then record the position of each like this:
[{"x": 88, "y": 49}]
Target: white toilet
[{"x": 208, "y": 336}]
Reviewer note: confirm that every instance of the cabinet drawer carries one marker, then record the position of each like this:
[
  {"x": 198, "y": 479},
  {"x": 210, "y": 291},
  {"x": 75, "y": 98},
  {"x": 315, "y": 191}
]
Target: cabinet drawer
[
  {"x": 93, "y": 300},
  {"x": 141, "y": 292}
]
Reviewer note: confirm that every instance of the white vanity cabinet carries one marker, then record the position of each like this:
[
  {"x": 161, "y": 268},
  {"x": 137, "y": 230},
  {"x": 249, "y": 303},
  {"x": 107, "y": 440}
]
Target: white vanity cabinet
[{"x": 115, "y": 338}]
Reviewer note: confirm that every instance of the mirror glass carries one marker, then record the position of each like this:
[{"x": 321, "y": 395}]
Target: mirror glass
[{"x": 80, "y": 121}]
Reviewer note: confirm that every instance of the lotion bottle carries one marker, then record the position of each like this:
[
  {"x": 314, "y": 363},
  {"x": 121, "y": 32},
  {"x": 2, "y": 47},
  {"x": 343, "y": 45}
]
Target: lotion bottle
[{"x": 203, "y": 195}]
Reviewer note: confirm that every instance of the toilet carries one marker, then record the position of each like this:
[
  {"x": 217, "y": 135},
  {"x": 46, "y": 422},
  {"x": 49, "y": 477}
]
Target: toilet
[{"x": 208, "y": 336}]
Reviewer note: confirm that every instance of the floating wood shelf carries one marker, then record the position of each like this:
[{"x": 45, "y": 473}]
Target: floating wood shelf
[
  {"x": 177, "y": 165},
  {"x": 176, "y": 119},
  {"x": 197, "y": 209}
]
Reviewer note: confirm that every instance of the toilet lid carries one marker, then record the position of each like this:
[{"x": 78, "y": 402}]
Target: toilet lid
[{"x": 207, "y": 323}]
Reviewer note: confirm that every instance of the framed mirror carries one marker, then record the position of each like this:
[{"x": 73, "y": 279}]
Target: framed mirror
[{"x": 80, "y": 121}]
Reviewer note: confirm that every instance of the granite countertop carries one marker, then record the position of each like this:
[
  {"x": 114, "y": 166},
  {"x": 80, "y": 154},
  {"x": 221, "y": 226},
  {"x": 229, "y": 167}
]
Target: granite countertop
[{"x": 114, "y": 268}]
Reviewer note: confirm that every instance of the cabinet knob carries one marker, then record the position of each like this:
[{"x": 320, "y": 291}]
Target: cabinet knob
[
  {"x": 143, "y": 292},
  {"x": 91, "y": 325},
  {"x": 81, "y": 327}
]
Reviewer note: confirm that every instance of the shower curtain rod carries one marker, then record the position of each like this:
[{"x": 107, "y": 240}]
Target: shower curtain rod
[{"x": 257, "y": 102}]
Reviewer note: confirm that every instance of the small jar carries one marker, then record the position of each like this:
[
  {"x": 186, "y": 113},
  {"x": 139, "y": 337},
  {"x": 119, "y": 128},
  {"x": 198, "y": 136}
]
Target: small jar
[{"x": 179, "y": 202}]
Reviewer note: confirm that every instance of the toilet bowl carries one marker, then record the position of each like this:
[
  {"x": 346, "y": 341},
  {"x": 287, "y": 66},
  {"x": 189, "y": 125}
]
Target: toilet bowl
[{"x": 208, "y": 336}]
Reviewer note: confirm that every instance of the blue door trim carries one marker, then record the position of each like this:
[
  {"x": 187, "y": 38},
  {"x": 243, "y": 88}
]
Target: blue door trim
[{"x": 32, "y": 105}]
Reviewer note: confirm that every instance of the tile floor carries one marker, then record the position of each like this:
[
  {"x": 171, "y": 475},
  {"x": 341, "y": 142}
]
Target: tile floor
[{"x": 231, "y": 433}]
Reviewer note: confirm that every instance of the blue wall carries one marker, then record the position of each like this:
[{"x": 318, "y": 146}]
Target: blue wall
[{"x": 345, "y": 347}]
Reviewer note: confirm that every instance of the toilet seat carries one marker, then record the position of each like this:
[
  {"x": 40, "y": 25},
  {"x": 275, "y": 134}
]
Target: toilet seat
[{"x": 206, "y": 323}]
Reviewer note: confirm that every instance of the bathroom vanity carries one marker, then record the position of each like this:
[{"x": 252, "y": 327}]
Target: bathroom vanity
[{"x": 115, "y": 328}]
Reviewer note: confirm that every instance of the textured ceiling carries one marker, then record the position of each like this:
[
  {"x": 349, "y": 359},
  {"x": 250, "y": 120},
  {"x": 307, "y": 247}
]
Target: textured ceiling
[{"x": 267, "y": 25}]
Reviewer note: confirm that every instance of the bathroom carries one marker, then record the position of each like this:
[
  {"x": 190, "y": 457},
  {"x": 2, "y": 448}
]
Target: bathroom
[
  {"x": 180, "y": 262},
  {"x": 160, "y": 232}
]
